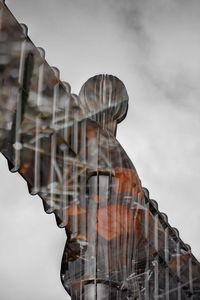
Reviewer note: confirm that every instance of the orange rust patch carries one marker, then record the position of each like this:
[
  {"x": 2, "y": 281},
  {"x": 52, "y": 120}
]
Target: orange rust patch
[
  {"x": 116, "y": 220},
  {"x": 74, "y": 210},
  {"x": 128, "y": 181}
]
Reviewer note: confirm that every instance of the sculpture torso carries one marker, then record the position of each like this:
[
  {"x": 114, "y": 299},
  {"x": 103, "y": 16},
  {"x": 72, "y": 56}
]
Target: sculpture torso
[{"x": 104, "y": 224}]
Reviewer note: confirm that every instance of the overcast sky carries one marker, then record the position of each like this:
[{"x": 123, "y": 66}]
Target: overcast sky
[{"x": 153, "y": 47}]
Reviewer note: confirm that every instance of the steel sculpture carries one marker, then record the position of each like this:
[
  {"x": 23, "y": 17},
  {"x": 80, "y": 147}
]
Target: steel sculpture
[{"x": 119, "y": 246}]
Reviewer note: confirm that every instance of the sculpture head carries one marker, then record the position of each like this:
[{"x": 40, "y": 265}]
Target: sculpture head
[{"x": 105, "y": 100}]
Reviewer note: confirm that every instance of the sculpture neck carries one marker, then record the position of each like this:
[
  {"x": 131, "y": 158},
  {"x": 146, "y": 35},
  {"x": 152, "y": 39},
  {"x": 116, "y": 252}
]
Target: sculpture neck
[{"x": 106, "y": 122}]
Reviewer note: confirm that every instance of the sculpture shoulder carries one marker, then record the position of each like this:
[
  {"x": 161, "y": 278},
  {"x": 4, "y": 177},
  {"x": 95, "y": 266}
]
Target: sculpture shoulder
[{"x": 109, "y": 148}]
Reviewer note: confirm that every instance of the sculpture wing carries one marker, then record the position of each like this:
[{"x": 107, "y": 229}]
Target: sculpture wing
[{"x": 38, "y": 119}]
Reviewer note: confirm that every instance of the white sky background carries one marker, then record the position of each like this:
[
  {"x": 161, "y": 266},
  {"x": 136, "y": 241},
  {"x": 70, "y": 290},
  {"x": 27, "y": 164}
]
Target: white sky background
[{"x": 153, "y": 47}]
